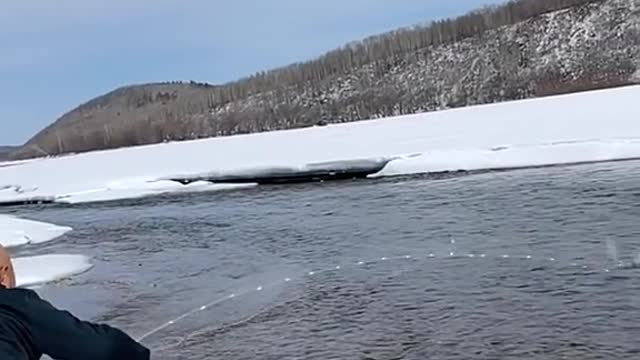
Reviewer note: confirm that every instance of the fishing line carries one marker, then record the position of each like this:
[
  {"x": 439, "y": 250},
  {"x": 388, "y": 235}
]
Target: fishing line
[
  {"x": 226, "y": 327},
  {"x": 450, "y": 255}
]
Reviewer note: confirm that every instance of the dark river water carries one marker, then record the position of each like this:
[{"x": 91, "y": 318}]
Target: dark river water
[{"x": 509, "y": 265}]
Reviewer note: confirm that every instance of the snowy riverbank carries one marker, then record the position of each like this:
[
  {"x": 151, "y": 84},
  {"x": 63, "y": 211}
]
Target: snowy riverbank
[{"x": 592, "y": 126}]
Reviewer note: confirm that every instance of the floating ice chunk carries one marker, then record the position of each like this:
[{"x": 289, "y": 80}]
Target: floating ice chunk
[
  {"x": 36, "y": 270},
  {"x": 15, "y": 231}
]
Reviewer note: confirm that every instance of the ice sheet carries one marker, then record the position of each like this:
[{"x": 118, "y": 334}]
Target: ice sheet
[
  {"x": 581, "y": 127},
  {"x": 37, "y": 270},
  {"x": 505, "y": 157},
  {"x": 15, "y": 231},
  {"x": 132, "y": 189}
]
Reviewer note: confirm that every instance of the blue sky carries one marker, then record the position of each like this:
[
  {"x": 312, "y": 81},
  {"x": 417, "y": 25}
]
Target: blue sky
[{"x": 58, "y": 54}]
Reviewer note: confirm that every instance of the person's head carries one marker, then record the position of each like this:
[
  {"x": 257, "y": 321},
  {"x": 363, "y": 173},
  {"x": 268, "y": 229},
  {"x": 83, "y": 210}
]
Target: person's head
[{"x": 7, "y": 275}]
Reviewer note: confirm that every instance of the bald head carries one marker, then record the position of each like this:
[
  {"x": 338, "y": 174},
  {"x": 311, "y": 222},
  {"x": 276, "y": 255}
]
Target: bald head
[{"x": 7, "y": 275}]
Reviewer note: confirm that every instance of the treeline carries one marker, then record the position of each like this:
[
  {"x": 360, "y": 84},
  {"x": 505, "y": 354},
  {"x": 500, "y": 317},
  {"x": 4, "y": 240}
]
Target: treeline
[
  {"x": 5, "y": 152},
  {"x": 386, "y": 47},
  {"x": 391, "y": 45},
  {"x": 476, "y": 58}
]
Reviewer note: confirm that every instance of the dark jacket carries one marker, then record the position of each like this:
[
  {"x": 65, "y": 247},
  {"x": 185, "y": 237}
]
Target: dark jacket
[{"x": 31, "y": 327}]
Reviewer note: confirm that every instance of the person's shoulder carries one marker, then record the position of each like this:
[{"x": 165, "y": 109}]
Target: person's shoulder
[
  {"x": 15, "y": 294},
  {"x": 20, "y": 290}
]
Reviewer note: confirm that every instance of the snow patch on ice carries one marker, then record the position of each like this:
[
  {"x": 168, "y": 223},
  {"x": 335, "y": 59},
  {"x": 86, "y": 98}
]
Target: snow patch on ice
[
  {"x": 505, "y": 157},
  {"x": 329, "y": 169},
  {"x": 132, "y": 189},
  {"x": 16, "y": 232},
  {"x": 41, "y": 269}
]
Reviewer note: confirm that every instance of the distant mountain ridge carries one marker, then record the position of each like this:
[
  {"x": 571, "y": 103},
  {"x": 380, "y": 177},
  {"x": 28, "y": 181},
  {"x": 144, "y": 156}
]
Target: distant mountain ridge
[
  {"x": 524, "y": 49},
  {"x": 5, "y": 151}
]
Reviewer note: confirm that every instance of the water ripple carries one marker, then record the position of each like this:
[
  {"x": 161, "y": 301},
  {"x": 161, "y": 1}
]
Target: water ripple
[{"x": 526, "y": 277}]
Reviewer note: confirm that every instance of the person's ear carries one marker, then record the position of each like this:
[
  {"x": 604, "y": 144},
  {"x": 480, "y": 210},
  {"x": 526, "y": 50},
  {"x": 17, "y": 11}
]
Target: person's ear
[{"x": 7, "y": 278}]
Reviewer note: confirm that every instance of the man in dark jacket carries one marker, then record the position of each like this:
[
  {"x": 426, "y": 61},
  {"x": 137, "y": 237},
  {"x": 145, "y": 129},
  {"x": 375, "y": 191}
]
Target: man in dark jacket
[{"x": 31, "y": 327}]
